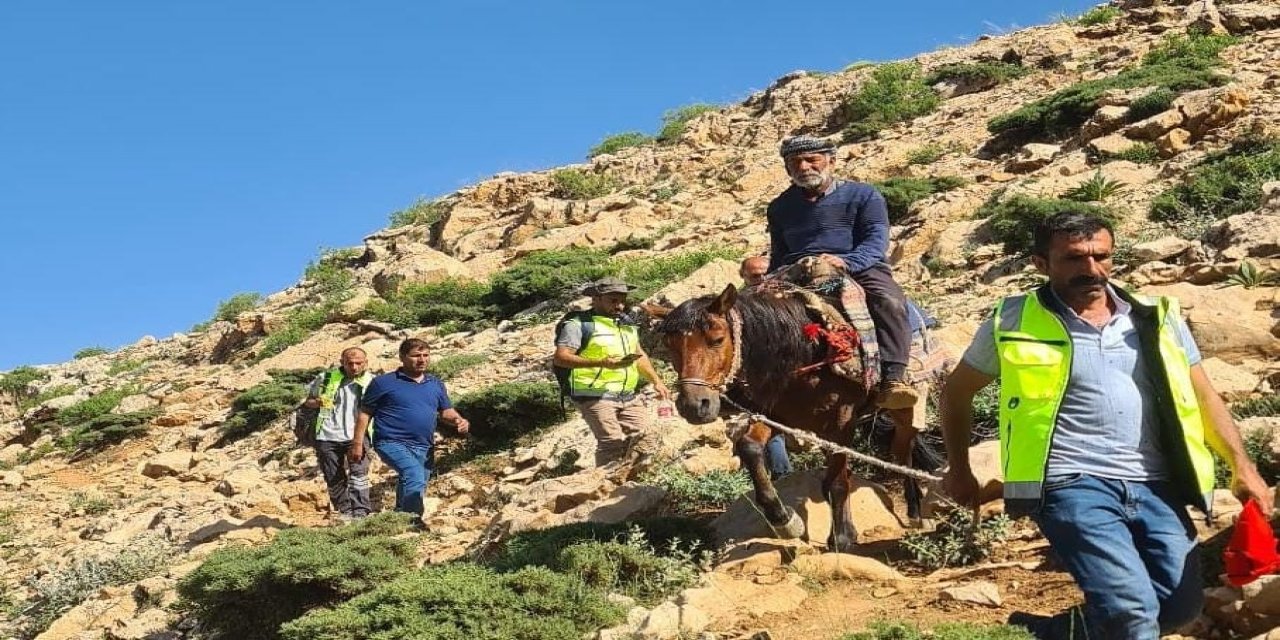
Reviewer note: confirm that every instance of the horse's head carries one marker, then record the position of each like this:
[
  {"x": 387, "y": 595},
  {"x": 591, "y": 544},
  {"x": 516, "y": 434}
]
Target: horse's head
[{"x": 700, "y": 340}]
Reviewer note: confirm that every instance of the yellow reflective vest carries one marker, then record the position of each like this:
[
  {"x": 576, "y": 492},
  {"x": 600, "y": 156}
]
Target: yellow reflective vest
[
  {"x": 1034, "y": 348},
  {"x": 609, "y": 339},
  {"x": 329, "y": 394}
]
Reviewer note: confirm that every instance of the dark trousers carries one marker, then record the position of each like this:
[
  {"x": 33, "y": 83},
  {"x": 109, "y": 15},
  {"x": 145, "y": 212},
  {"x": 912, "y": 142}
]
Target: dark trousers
[
  {"x": 348, "y": 481},
  {"x": 888, "y": 307}
]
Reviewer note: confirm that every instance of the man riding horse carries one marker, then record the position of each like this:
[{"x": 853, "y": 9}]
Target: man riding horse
[{"x": 846, "y": 225}]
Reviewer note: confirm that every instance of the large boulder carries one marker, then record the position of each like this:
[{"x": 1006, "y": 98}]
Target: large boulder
[
  {"x": 416, "y": 264},
  {"x": 984, "y": 460},
  {"x": 1248, "y": 17},
  {"x": 1208, "y": 109},
  {"x": 711, "y": 279},
  {"x": 1226, "y": 323}
]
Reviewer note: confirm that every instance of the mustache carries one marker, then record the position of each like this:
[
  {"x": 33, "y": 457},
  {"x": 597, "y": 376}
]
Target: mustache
[{"x": 1086, "y": 281}]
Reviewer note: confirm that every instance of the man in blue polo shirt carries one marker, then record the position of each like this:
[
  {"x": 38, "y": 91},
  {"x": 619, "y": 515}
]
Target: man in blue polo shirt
[
  {"x": 405, "y": 404},
  {"x": 846, "y": 225}
]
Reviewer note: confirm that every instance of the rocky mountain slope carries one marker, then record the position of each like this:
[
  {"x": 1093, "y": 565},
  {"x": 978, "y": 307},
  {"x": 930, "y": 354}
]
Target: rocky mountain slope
[{"x": 125, "y": 453}]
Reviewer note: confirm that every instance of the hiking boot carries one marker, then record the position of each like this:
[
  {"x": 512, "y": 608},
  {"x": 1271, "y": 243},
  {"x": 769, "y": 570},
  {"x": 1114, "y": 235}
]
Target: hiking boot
[{"x": 896, "y": 394}]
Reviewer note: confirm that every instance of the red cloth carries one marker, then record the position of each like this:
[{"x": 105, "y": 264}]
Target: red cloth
[
  {"x": 842, "y": 344},
  {"x": 1251, "y": 553}
]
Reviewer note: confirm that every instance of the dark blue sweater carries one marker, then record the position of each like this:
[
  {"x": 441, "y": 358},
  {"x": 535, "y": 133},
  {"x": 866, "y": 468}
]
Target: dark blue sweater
[{"x": 849, "y": 221}]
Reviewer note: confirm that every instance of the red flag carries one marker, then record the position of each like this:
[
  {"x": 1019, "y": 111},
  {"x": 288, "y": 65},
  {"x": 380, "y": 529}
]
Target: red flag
[{"x": 1251, "y": 553}]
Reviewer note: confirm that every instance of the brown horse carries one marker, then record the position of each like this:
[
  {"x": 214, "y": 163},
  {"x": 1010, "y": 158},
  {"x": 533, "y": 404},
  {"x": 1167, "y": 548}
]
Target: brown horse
[{"x": 750, "y": 347}]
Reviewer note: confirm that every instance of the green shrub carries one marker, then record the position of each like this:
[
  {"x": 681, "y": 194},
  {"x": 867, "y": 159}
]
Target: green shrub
[
  {"x": 248, "y": 592},
  {"x": 1013, "y": 220},
  {"x": 6, "y": 525},
  {"x": 540, "y": 547},
  {"x": 56, "y": 592},
  {"x": 1189, "y": 49},
  {"x": 551, "y": 275},
  {"x": 984, "y": 73},
  {"x": 89, "y": 352},
  {"x": 956, "y": 541},
  {"x": 1158, "y": 100},
  {"x": 1268, "y": 405},
  {"x": 900, "y": 193},
  {"x": 265, "y": 402},
  {"x": 1098, "y": 15},
  {"x": 232, "y": 307},
  {"x": 1064, "y": 111},
  {"x": 56, "y": 391},
  {"x": 930, "y": 153},
  {"x": 90, "y": 504},
  {"x": 1225, "y": 184},
  {"x": 450, "y": 366},
  {"x": 618, "y": 142},
  {"x": 16, "y": 382},
  {"x": 460, "y": 601},
  {"x": 675, "y": 122},
  {"x": 1140, "y": 153},
  {"x": 330, "y": 274},
  {"x": 124, "y": 366},
  {"x": 895, "y": 93},
  {"x": 1258, "y": 446},
  {"x": 631, "y": 567},
  {"x": 421, "y": 212},
  {"x": 456, "y": 300},
  {"x": 505, "y": 411},
  {"x": 92, "y": 407},
  {"x": 576, "y": 184},
  {"x": 106, "y": 430},
  {"x": 1096, "y": 189},
  {"x": 649, "y": 274},
  {"x": 949, "y": 631},
  {"x": 694, "y": 493},
  {"x": 298, "y": 325}
]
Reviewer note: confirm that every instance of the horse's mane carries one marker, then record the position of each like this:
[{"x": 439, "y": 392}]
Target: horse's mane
[{"x": 773, "y": 342}]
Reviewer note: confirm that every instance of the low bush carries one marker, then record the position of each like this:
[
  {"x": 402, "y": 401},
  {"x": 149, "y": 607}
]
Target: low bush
[
  {"x": 551, "y": 275},
  {"x": 1225, "y": 184},
  {"x": 106, "y": 430},
  {"x": 1268, "y": 405},
  {"x": 90, "y": 504},
  {"x": 900, "y": 193},
  {"x": 92, "y": 407},
  {"x": 695, "y": 493},
  {"x": 1096, "y": 189},
  {"x": 56, "y": 592},
  {"x": 330, "y": 273},
  {"x": 89, "y": 352},
  {"x": 1249, "y": 276},
  {"x": 421, "y": 212},
  {"x": 232, "y": 307},
  {"x": 17, "y": 382},
  {"x": 618, "y": 142},
  {"x": 1140, "y": 153},
  {"x": 298, "y": 325},
  {"x": 576, "y": 184},
  {"x": 957, "y": 540},
  {"x": 1013, "y": 220},
  {"x": 649, "y": 274},
  {"x": 505, "y": 411},
  {"x": 1157, "y": 101},
  {"x": 1258, "y": 445},
  {"x": 540, "y": 547},
  {"x": 1098, "y": 15},
  {"x": 455, "y": 300},
  {"x": 124, "y": 366},
  {"x": 248, "y": 592},
  {"x": 930, "y": 153},
  {"x": 984, "y": 73},
  {"x": 675, "y": 121},
  {"x": 450, "y": 366},
  {"x": 1189, "y": 49},
  {"x": 631, "y": 567},
  {"x": 460, "y": 601},
  {"x": 265, "y": 402},
  {"x": 896, "y": 92},
  {"x": 950, "y": 631}
]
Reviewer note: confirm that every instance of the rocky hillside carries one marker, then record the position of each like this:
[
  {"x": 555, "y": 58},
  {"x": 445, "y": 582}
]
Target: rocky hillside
[{"x": 123, "y": 471}]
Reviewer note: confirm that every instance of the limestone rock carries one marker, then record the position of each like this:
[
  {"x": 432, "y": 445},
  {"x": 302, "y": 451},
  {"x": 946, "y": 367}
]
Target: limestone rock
[
  {"x": 11, "y": 479},
  {"x": 1230, "y": 381},
  {"x": 1155, "y": 126},
  {"x": 670, "y": 621},
  {"x": 711, "y": 279},
  {"x": 1248, "y": 17},
  {"x": 1033, "y": 156},
  {"x": 1111, "y": 145},
  {"x": 1247, "y": 235},
  {"x": 1263, "y": 595},
  {"x": 1160, "y": 248},
  {"x": 870, "y": 507},
  {"x": 984, "y": 460},
  {"x": 724, "y": 598},
  {"x": 136, "y": 402},
  {"x": 1225, "y": 322},
  {"x": 1208, "y": 109},
  {"x": 846, "y": 566},
  {"x": 420, "y": 265},
  {"x": 170, "y": 463},
  {"x": 1173, "y": 142},
  {"x": 978, "y": 592}
]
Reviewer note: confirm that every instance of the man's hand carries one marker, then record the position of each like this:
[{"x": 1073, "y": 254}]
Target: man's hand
[
  {"x": 618, "y": 363},
  {"x": 961, "y": 486},
  {"x": 311, "y": 403},
  {"x": 661, "y": 389},
  {"x": 1247, "y": 483},
  {"x": 834, "y": 261},
  {"x": 356, "y": 452},
  {"x": 462, "y": 425}
]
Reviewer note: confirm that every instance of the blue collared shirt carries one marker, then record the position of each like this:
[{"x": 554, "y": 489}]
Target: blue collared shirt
[
  {"x": 404, "y": 410},
  {"x": 1107, "y": 425}
]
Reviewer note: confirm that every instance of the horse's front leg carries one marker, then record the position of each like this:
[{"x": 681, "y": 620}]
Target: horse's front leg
[
  {"x": 904, "y": 442},
  {"x": 837, "y": 486},
  {"x": 750, "y": 448}
]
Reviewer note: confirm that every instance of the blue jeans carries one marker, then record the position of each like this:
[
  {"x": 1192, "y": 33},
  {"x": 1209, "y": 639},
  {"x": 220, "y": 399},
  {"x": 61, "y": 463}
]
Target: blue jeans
[
  {"x": 775, "y": 456},
  {"x": 1132, "y": 550},
  {"x": 413, "y": 464}
]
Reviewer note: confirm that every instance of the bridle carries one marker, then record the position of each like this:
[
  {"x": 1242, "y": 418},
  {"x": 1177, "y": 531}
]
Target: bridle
[{"x": 735, "y": 365}]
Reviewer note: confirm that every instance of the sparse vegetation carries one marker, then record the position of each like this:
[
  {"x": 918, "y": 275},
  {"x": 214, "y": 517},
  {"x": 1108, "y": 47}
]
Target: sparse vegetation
[
  {"x": 57, "y": 591},
  {"x": 248, "y": 592},
  {"x": 1139, "y": 152},
  {"x": 618, "y": 142},
  {"x": 455, "y": 300},
  {"x": 1248, "y": 275},
  {"x": 1267, "y": 405},
  {"x": 649, "y": 274},
  {"x": 1158, "y": 100},
  {"x": 675, "y": 122},
  {"x": 102, "y": 431},
  {"x": 900, "y": 193},
  {"x": 124, "y": 366},
  {"x": 330, "y": 273},
  {"x": 89, "y": 352},
  {"x": 450, "y": 366},
  {"x": 984, "y": 73},
  {"x": 298, "y": 325},
  {"x": 1258, "y": 445},
  {"x": 632, "y": 567},
  {"x": 576, "y": 184},
  {"x": 950, "y": 631},
  {"x": 552, "y": 275},
  {"x": 423, "y": 211},
  {"x": 1013, "y": 220},
  {"x": 503, "y": 412},
  {"x": 232, "y": 307},
  {"x": 90, "y": 504},
  {"x": 896, "y": 92},
  {"x": 931, "y": 153},
  {"x": 1190, "y": 49},
  {"x": 1225, "y": 184},
  {"x": 1098, "y": 15},
  {"x": 539, "y": 547},
  {"x": 1097, "y": 188},
  {"x": 6, "y": 525},
  {"x": 17, "y": 382},
  {"x": 695, "y": 493},
  {"x": 457, "y": 601},
  {"x": 264, "y": 403},
  {"x": 92, "y": 407},
  {"x": 957, "y": 540}
]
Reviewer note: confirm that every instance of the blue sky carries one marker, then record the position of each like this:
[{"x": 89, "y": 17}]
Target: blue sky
[{"x": 158, "y": 157}]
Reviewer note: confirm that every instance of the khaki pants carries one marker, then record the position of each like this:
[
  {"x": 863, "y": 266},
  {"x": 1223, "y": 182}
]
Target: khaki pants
[{"x": 616, "y": 424}]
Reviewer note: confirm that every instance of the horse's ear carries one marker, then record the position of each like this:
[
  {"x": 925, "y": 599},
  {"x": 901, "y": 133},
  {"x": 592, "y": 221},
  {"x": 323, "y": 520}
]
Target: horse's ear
[
  {"x": 724, "y": 302},
  {"x": 655, "y": 311}
]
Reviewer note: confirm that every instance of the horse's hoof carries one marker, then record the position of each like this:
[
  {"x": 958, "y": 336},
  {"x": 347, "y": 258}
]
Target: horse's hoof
[
  {"x": 915, "y": 523},
  {"x": 794, "y": 528},
  {"x": 841, "y": 544}
]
